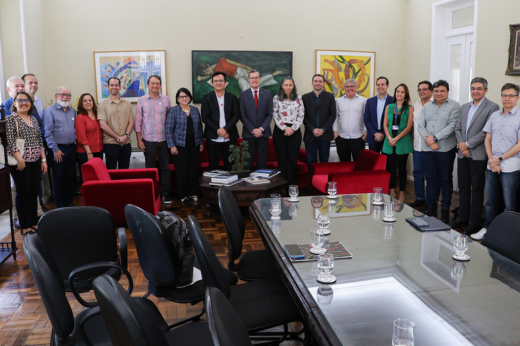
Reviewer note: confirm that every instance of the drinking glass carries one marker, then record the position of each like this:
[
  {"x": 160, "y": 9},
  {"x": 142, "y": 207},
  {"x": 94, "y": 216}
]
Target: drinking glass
[
  {"x": 326, "y": 266},
  {"x": 377, "y": 195},
  {"x": 324, "y": 223},
  {"x": 317, "y": 242},
  {"x": 389, "y": 231},
  {"x": 275, "y": 196},
  {"x": 331, "y": 189},
  {"x": 389, "y": 211},
  {"x": 403, "y": 332},
  {"x": 460, "y": 244},
  {"x": 293, "y": 192},
  {"x": 276, "y": 208},
  {"x": 377, "y": 212}
]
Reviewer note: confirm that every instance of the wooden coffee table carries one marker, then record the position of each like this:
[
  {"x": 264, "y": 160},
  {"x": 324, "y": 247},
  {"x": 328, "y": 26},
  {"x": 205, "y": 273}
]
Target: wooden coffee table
[{"x": 244, "y": 193}]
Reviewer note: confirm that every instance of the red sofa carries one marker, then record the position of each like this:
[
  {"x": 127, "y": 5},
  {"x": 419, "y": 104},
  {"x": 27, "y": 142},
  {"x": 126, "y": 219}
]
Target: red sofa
[
  {"x": 361, "y": 176},
  {"x": 115, "y": 188}
]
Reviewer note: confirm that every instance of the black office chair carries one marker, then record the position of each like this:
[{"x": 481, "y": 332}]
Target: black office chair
[
  {"x": 261, "y": 304},
  {"x": 225, "y": 325},
  {"x": 139, "y": 322},
  {"x": 503, "y": 235},
  {"x": 88, "y": 328},
  {"x": 253, "y": 265},
  {"x": 155, "y": 252},
  {"x": 78, "y": 236}
]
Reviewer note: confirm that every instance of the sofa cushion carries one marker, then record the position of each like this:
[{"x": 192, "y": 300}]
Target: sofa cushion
[
  {"x": 320, "y": 182},
  {"x": 95, "y": 169}
]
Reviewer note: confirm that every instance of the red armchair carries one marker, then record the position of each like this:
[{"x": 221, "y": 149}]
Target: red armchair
[
  {"x": 361, "y": 176},
  {"x": 115, "y": 188}
]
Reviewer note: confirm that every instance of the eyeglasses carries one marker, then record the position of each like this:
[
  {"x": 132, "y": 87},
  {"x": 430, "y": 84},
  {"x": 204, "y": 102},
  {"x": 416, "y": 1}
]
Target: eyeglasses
[
  {"x": 218, "y": 81},
  {"x": 504, "y": 96},
  {"x": 23, "y": 100},
  {"x": 254, "y": 78},
  {"x": 184, "y": 97},
  {"x": 477, "y": 89},
  {"x": 63, "y": 95},
  {"x": 350, "y": 86}
]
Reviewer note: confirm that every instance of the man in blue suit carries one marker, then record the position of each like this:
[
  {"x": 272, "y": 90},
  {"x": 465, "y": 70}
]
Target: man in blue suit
[
  {"x": 375, "y": 115},
  {"x": 256, "y": 113}
]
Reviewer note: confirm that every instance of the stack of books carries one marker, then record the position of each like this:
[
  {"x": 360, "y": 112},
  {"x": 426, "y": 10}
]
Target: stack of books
[
  {"x": 214, "y": 173},
  {"x": 256, "y": 180},
  {"x": 224, "y": 179},
  {"x": 264, "y": 173}
]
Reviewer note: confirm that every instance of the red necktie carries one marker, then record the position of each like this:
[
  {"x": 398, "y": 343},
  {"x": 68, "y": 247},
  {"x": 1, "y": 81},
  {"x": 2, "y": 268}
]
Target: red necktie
[{"x": 256, "y": 98}]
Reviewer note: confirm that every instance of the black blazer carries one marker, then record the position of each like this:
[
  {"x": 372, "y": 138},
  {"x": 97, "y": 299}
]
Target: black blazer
[
  {"x": 210, "y": 113},
  {"x": 327, "y": 112}
]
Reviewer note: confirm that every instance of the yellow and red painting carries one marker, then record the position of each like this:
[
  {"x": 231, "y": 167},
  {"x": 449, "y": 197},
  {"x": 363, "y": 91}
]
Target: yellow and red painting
[{"x": 338, "y": 66}]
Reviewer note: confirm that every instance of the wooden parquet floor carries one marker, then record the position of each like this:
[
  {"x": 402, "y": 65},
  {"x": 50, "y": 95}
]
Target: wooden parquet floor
[{"x": 23, "y": 319}]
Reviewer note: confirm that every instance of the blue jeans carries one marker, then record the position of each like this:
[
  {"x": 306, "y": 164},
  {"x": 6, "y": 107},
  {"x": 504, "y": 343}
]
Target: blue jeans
[
  {"x": 314, "y": 148},
  {"x": 505, "y": 182},
  {"x": 418, "y": 176},
  {"x": 438, "y": 171}
]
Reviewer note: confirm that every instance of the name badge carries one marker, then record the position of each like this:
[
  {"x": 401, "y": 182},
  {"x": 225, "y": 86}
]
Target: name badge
[
  {"x": 160, "y": 103},
  {"x": 395, "y": 127}
]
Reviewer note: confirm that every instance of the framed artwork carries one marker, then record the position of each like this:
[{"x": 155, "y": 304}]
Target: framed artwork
[
  {"x": 339, "y": 65},
  {"x": 273, "y": 67},
  {"x": 347, "y": 205},
  {"x": 513, "y": 64},
  {"x": 133, "y": 69}
]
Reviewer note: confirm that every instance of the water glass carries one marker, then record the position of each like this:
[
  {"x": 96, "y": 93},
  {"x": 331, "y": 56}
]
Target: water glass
[
  {"x": 326, "y": 266},
  {"x": 377, "y": 195},
  {"x": 389, "y": 211},
  {"x": 324, "y": 223},
  {"x": 276, "y": 208},
  {"x": 331, "y": 188},
  {"x": 293, "y": 192},
  {"x": 389, "y": 231},
  {"x": 403, "y": 333},
  {"x": 317, "y": 242},
  {"x": 460, "y": 244}
]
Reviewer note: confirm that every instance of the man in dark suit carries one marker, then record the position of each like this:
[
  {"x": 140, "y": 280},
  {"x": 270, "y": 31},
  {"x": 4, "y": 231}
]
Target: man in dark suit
[
  {"x": 320, "y": 113},
  {"x": 220, "y": 113},
  {"x": 375, "y": 114},
  {"x": 472, "y": 157},
  {"x": 256, "y": 113}
]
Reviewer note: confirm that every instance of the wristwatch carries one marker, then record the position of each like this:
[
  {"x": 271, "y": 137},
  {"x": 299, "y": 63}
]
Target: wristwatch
[
  {"x": 500, "y": 158},
  {"x": 126, "y": 134},
  {"x": 435, "y": 139}
]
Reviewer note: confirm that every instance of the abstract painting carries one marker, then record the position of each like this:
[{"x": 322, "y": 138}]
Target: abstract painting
[
  {"x": 338, "y": 66},
  {"x": 133, "y": 69},
  {"x": 273, "y": 67}
]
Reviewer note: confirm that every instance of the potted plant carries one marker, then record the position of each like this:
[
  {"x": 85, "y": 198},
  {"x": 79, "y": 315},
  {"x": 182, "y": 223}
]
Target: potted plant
[{"x": 238, "y": 157}]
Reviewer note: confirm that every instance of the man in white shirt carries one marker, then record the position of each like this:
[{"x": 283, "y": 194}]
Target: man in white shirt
[
  {"x": 349, "y": 127},
  {"x": 425, "y": 90}
]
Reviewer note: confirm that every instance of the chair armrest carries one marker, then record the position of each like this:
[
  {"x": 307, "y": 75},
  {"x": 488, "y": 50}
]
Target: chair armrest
[
  {"x": 326, "y": 168},
  {"x": 361, "y": 182},
  {"x": 302, "y": 156},
  {"x": 137, "y": 173},
  {"x": 123, "y": 253}
]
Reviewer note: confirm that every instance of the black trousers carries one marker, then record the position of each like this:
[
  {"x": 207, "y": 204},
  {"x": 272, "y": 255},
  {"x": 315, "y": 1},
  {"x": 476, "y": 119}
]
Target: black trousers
[
  {"x": 187, "y": 171},
  {"x": 287, "y": 150},
  {"x": 349, "y": 147},
  {"x": 397, "y": 163},
  {"x": 117, "y": 156},
  {"x": 472, "y": 178},
  {"x": 27, "y": 184},
  {"x": 64, "y": 176},
  {"x": 215, "y": 149},
  {"x": 259, "y": 147},
  {"x": 152, "y": 151},
  {"x": 377, "y": 146}
]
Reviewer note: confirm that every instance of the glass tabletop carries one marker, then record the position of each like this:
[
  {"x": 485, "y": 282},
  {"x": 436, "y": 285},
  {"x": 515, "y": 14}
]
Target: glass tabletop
[{"x": 399, "y": 272}]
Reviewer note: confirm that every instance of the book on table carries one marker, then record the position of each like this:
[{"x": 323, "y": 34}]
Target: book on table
[
  {"x": 336, "y": 249},
  {"x": 215, "y": 173},
  {"x": 224, "y": 178},
  {"x": 265, "y": 173},
  {"x": 256, "y": 180}
]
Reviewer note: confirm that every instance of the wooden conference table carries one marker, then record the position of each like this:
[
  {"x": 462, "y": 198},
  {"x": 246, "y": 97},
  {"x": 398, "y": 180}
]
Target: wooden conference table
[{"x": 395, "y": 272}]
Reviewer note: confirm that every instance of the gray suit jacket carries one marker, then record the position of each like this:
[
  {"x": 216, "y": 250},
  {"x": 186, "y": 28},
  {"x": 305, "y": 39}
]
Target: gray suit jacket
[
  {"x": 252, "y": 117},
  {"x": 475, "y": 136}
]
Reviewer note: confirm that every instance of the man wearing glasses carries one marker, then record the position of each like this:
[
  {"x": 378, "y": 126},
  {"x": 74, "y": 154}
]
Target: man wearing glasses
[
  {"x": 220, "y": 113},
  {"x": 472, "y": 158},
  {"x": 116, "y": 119},
  {"x": 374, "y": 115},
  {"x": 502, "y": 147},
  {"x": 60, "y": 135}
]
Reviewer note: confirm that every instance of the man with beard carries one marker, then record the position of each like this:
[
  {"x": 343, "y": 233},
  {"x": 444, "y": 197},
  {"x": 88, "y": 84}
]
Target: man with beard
[{"x": 60, "y": 135}]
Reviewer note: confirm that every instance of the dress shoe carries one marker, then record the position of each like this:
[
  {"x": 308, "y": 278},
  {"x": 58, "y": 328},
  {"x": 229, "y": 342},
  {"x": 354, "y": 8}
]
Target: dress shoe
[
  {"x": 445, "y": 216},
  {"x": 458, "y": 223},
  {"x": 472, "y": 229},
  {"x": 430, "y": 212},
  {"x": 417, "y": 203}
]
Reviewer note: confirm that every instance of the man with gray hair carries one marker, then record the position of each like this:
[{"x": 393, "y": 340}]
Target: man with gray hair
[
  {"x": 375, "y": 114},
  {"x": 14, "y": 85},
  {"x": 472, "y": 157},
  {"x": 60, "y": 134},
  {"x": 349, "y": 128}
]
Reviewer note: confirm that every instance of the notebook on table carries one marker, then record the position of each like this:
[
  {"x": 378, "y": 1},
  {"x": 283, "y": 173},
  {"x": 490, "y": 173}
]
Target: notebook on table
[{"x": 432, "y": 224}]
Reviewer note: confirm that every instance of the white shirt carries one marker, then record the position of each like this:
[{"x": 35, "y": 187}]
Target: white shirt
[
  {"x": 222, "y": 119},
  {"x": 417, "y": 139},
  {"x": 349, "y": 117}
]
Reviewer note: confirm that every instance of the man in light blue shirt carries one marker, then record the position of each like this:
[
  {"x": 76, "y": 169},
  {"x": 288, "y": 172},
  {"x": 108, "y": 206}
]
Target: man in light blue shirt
[{"x": 374, "y": 115}]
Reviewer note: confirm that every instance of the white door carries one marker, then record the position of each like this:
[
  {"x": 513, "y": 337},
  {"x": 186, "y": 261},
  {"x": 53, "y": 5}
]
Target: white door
[{"x": 460, "y": 66}]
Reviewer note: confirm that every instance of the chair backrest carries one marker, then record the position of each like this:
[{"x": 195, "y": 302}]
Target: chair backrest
[
  {"x": 213, "y": 274},
  {"x": 94, "y": 169},
  {"x": 77, "y": 236},
  {"x": 233, "y": 221},
  {"x": 48, "y": 279},
  {"x": 153, "y": 247},
  {"x": 369, "y": 160},
  {"x": 225, "y": 325},
  {"x": 503, "y": 235},
  {"x": 127, "y": 322}
]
